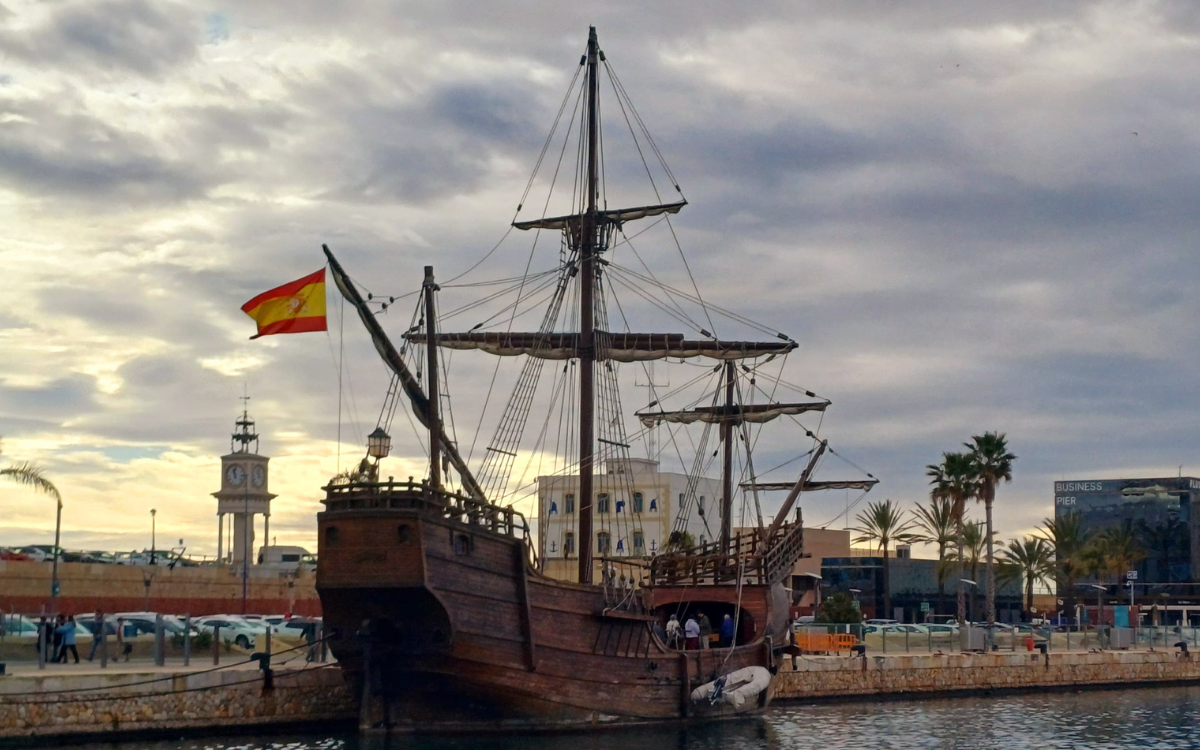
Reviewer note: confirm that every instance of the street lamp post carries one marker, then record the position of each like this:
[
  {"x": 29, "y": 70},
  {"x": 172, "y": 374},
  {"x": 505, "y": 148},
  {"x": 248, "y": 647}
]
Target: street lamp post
[
  {"x": 54, "y": 567},
  {"x": 153, "y": 537}
]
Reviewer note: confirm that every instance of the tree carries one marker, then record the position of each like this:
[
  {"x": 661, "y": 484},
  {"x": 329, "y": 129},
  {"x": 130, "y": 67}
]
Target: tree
[
  {"x": 1028, "y": 560},
  {"x": 1162, "y": 542},
  {"x": 1069, "y": 537},
  {"x": 839, "y": 608},
  {"x": 991, "y": 463},
  {"x": 936, "y": 523},
  {"x": 884, "y": 522},
  {"x": 953, "y": 480},
  {"x": 1112, "y": 552},
  {"x": 30, "y": 475},
  {"x": 974, "y": 544}
]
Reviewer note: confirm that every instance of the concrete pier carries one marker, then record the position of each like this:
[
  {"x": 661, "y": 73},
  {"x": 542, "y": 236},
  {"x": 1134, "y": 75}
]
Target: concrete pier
[
  {"x": 826, "y": 677},
  {"x": 82, "y": 702}
]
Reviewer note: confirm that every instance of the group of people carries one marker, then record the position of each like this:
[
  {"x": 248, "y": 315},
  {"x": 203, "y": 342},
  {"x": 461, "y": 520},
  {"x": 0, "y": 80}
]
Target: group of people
[
  {"x": 61, "y": 638},
  {"x": 696, "y": 632}
]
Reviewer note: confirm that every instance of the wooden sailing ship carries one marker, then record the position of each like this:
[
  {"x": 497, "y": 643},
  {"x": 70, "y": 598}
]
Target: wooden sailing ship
[{"x": 438, "y": 611}]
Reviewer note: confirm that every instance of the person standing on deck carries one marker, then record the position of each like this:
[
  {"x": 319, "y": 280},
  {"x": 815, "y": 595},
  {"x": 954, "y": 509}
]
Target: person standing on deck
[
  {"x": 706, "y": 630},
  {"x": 673, "y": 632},
  {"x": 691, "y": 634},
  {"x": 727, "y": 632}
]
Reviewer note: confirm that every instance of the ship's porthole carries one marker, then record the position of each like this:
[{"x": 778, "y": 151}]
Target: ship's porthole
[
  {"x": 462, "y": 544},
  {"x": 404, "y": 533},
  {"x": 331, "y": 535}
]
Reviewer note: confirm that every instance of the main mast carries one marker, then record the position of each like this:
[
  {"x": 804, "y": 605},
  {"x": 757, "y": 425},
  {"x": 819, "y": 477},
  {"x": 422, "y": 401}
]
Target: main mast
[{"x": 587, "y": 329}]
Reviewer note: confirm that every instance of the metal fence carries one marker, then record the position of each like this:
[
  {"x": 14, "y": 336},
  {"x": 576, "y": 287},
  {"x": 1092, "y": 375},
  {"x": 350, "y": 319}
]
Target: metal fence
[
  {"x": 153, "y": 641},
  {"x": 923, "y": 639}
]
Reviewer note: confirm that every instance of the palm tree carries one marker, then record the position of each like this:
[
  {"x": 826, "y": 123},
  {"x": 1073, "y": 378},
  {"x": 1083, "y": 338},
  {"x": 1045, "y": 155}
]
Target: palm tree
[
  {"x": 953, "y": 481},
  {"x": 1110, "y": 553},
  {"x": 885, "y": 523},
  {"x": 936, "y": 524},
  {"x": 1069, "y": 537},
  {"x": 991, "y": 463},
  {"x": 1162, "y": 542},
  {"x": 974, "y": 545},
  {"x": 30, "y": 475},
  {"x": 1028, "y": 560}
]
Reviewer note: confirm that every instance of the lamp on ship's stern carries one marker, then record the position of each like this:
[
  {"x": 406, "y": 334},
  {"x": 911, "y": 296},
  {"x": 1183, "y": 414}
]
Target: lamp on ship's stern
[{"x": 379, "y": 444}]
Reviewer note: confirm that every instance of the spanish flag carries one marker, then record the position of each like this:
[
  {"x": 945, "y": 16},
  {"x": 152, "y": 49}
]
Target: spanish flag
[{"x": 295, "y": 307}]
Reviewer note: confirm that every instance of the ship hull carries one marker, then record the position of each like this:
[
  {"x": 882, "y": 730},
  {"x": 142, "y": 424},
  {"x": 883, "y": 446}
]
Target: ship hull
[{"x": 441, "y": 625}]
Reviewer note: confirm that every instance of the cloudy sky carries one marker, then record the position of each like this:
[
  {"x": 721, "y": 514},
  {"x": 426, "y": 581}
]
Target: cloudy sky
[{"x": 971, "y": 216}]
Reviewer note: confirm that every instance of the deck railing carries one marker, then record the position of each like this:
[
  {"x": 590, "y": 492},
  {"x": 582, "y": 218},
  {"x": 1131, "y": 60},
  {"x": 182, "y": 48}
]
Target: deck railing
[
  {"x": 746, "y": 556},
  {"x": 419, "y": 496}
]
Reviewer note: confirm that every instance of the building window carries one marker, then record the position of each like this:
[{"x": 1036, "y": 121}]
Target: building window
[
  {"x": 602, "y": 503},
  {"x": 404, "y": 533},
  {"x": 603, "y": 543},
  {"x": 701, "y": 506},
  {"x": 638, "y": 502},
  {"x": 703, "y": 540},
  {"x": 332, "y": 535},
  {"x": 569, "y": 504},
  {"x": 639, "y": 543},
  {"x": 568, "y": 544}
]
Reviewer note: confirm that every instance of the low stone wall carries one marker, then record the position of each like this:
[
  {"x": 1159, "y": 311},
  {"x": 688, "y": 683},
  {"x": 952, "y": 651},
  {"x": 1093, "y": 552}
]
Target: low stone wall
[
  {"x": 833, "y": 677},
  {"x": 205, "y": 590},
  {"x": 41, "y": 706}
]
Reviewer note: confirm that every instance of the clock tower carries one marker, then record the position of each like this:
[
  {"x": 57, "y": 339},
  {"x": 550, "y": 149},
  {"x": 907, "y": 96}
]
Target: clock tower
[{"x": 243, "y": 493}]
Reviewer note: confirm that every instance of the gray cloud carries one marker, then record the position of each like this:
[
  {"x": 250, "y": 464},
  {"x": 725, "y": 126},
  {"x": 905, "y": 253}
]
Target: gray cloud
[
  {"x": 115, "y": 36},
  {"x": 945, "y": 204}
]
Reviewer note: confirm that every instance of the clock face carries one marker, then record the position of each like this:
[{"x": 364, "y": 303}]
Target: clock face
[
  {"x": 259, "y": 476},
  {"x": 235, "y": 475}
]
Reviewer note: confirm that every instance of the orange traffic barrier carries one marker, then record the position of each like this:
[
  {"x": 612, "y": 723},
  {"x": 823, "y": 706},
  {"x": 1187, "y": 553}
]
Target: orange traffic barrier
[{"x": 824, "y": 642}]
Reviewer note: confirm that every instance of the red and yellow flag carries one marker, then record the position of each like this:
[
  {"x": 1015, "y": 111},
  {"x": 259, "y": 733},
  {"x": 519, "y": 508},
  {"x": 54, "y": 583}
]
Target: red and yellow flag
[{"x": 295, "y": 307}]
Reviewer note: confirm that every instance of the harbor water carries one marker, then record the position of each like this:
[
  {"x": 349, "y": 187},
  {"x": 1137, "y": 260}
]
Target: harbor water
[{"x": 1096, "y": 719}]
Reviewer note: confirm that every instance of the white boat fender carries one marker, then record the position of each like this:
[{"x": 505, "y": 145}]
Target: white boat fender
[{"x": 735, "y": 688}]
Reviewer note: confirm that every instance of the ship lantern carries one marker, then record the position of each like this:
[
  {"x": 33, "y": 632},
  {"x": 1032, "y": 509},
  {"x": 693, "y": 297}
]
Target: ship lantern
[{"x": 379, "y": 444}]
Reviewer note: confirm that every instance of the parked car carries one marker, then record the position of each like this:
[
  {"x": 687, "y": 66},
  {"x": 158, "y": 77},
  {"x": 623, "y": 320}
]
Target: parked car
[
  {"x": 881, "y": 621},
  {"x": 11, "y": 625},
  {"x": 41, "y": 552},
  {"x": 13, "y": 555},
  {"x": 233, "y": 629}
]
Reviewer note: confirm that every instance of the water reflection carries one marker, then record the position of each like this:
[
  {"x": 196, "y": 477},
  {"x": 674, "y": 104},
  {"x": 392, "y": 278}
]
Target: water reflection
[{"x": 1158, "y": 718}]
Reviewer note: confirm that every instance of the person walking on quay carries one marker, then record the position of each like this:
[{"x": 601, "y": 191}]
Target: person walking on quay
[
  {"x": 123, "y": 648},
  {"x": 54, "y": 629},
  {"x": 706, "y": 630},
  {"x": 68, "y": 640},
  {"x": 98, "y": 626},
  {"x": 727, "y": 632},
  {"x": 673, "y": 633},
  {"x": 691, "y": 634}
]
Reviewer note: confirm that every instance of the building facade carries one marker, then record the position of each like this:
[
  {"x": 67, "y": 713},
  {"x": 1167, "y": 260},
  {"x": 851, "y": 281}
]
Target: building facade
[
  {"x": 914, "y": 587},
  {"x": 1156, "y": 510},
  {"x": 633, "y": 513}
]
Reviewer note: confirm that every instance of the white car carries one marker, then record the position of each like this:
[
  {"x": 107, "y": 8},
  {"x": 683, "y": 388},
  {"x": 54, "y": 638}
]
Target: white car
[{"x": 233, "y": 629}]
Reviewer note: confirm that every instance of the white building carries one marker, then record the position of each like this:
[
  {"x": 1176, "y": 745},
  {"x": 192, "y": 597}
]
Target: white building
[{"x": 633, "y": 513}]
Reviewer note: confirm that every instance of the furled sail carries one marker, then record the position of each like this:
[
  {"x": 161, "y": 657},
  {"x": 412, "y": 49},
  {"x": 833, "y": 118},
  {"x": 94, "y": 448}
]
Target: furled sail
[
  {"x": 616, "y": 216},
  {"x": 737, "y": 414},
  {"x": 813, "y": 485},
  {"x": 391, "y": 357},
  {"x": 619, "y": 347}
]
